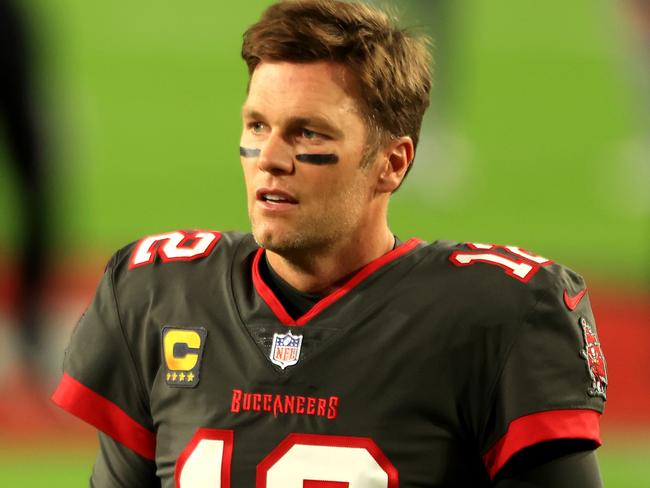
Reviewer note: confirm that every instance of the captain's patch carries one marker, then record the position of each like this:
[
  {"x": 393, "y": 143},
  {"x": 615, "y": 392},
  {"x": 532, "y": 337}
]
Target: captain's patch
[
  {"x": 285, "y": 349},
  {"x": 183, "y": 352}
]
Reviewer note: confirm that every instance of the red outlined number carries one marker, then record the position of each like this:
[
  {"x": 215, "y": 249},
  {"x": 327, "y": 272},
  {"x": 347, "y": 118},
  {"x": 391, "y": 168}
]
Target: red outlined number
[
  {"x": 326, "y": 461},
  {"x": 299, "y": 461},
  {"x": 206, "y": 460},
  {"x": 516, "y": 262},
  {"x": 174, "y": 246}
]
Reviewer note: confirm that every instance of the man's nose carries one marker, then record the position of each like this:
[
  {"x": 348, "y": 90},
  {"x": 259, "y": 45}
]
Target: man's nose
[{"x": 276, "y": 155}]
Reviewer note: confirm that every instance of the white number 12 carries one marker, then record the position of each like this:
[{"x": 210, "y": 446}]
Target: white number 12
[{"x": 299, "y": 461}]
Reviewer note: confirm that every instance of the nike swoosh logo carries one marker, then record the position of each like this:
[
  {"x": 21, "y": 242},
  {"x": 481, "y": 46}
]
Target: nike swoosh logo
[{"x": 572, "y": 302}]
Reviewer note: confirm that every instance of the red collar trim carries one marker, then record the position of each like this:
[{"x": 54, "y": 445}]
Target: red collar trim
[{"x": 278, "y": 309}]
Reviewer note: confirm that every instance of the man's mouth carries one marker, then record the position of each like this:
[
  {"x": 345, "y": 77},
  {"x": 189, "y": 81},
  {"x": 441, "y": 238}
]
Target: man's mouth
[{"x": 275, "y": 196}]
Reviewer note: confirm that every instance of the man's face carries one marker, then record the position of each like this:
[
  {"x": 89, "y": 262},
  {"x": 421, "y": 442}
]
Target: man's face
[{"x": 301, "y": 117}]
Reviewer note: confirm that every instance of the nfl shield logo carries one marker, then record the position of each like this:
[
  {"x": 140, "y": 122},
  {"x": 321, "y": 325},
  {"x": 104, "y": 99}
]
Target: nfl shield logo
[{"x": 285, "y": 350}]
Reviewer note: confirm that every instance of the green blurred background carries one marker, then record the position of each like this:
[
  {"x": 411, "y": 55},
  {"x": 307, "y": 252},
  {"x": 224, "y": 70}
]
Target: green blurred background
[{"x": 537, "y": 136}]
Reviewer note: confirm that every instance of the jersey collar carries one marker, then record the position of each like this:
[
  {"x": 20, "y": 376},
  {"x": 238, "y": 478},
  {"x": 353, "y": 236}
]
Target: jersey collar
[{"x": 283, "y": 316}]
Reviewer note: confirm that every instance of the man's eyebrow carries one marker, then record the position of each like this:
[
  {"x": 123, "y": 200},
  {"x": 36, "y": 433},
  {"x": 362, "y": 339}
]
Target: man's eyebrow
[
  {"x": 249, "y": 113},
  {"x": 317, "y": 122}
]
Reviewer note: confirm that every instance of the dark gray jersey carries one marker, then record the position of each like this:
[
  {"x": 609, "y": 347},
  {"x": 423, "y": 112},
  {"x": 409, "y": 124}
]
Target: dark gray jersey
[{"x": 432, "y": 366}]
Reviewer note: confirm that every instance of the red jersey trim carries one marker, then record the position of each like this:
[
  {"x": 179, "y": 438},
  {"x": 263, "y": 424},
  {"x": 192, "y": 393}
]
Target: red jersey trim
[
  {"x": 539, "y": 427},
  {"x": 82, "y": 402},
  {"x": 283, "y": 316}
]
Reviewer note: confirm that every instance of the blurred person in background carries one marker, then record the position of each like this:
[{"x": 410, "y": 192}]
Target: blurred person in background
[
  {"x": 321, "y": 350},
  {"x": 639, "y": 13},
  {"x": 23, "y": 141}
]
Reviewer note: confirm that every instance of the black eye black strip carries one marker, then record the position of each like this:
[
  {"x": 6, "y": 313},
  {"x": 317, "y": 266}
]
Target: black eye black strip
[
  {"x": 318, "y": 158},
  {"x": 247, "y": 152}
]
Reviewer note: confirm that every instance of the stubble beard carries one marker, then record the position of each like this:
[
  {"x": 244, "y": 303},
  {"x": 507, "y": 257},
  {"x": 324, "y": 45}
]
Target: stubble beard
[
  {"x": 304, "y": 239},
  {"x": 314, "y": 236},
  {"x": 310, "y": 237}
]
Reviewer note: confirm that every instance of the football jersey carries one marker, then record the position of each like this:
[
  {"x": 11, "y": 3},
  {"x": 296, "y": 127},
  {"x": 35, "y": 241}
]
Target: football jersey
[{"x": 430, "y": 366}]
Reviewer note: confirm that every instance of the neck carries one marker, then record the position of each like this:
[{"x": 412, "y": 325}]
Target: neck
[{"x": 326, "y": 270}]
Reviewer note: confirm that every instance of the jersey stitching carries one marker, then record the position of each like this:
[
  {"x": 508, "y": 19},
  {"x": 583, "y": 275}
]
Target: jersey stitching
[{"x": 143, "y": 390}]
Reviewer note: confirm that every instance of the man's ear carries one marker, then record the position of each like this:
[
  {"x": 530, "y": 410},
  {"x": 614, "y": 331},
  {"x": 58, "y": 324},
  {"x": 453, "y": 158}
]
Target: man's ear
[{"x": 397, "y": 158}]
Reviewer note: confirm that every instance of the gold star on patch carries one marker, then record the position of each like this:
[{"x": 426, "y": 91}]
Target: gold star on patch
[
  {"x": 182, "y": 376},
  {"x": 190, "y": 377},
  {"x": 174, "y": 376},
  {"x": 169, "y": 376}
]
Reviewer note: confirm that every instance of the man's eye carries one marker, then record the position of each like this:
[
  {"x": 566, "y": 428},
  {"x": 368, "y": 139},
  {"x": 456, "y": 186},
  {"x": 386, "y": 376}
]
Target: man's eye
[
  {"x": 257, "y": 127},
  {"x": 309, "y": 134}
]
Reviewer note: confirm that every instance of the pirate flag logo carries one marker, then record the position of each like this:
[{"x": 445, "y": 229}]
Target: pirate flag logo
[{"x": 593, "y": 354}]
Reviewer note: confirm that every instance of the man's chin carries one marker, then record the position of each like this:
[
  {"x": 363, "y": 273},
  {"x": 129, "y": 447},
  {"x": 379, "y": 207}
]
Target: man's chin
[
  {"x": 275, "y": 241},
  {"x": 287, "y": 243}
]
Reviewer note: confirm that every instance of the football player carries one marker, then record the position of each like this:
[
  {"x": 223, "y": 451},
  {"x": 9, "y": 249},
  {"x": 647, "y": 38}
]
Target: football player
[
  {"x": 22, "y": 136},
  {"x": 321, "y": 351}
]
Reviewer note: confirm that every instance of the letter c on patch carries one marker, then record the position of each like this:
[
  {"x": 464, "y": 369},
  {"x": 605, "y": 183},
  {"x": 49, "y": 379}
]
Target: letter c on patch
[{"x": 191, "y": 340}]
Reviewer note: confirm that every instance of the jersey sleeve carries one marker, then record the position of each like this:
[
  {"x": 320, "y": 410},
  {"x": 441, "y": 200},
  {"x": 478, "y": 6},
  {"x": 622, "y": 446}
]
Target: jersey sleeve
[
  {"x": 117, "y": 465},
  {"x": 100, "y": 383},
  {"x": 552, "y": 384},
  {"x": 577, "y": 469}
]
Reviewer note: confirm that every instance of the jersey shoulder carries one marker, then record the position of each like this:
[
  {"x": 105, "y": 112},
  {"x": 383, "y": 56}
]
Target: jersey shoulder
[
  {"x": 506, "y": 267},
  {"x": 187, "y": 246},
  {"x": 521, "y": 298},
  {"x": 180, "y": 256},
  {"x": 497, "y": 283}
]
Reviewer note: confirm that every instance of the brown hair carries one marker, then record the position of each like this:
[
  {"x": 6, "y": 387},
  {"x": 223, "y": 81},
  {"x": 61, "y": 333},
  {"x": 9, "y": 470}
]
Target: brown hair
[{"x": 391, "y": 65}]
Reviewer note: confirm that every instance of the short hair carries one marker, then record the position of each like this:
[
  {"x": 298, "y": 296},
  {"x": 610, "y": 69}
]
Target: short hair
[{"x": 391, "y": 65}]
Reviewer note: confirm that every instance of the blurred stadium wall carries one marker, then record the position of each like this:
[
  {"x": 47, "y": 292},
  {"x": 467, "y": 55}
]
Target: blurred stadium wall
[{"x": 538, "y": 136}]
